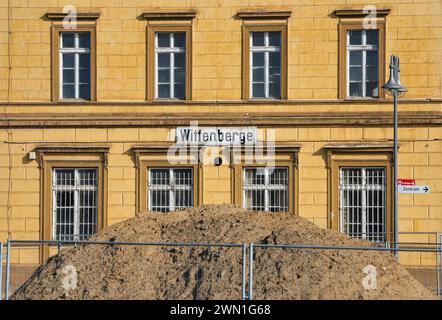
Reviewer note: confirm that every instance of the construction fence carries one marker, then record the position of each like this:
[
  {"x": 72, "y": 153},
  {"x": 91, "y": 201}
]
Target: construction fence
[{"x": 197, "y": 270}]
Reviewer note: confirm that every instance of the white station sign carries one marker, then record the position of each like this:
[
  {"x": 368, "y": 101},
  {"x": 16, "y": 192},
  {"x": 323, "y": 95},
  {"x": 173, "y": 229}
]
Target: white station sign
[
  {"x": 216, "y": 136},
  {"x": 414, "y": 189}
]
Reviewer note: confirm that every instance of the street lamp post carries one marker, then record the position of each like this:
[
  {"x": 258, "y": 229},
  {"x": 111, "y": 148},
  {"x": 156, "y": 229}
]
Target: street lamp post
[{"x": 395, "y": 88}]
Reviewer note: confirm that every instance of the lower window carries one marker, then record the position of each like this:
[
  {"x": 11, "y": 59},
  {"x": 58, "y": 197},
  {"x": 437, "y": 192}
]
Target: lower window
[
  {"x": 266, "y": 189},
  {"x": 75, "y": 198},
  {"x": 170, "y": 189},
  {"x": 362, "y": 202}
]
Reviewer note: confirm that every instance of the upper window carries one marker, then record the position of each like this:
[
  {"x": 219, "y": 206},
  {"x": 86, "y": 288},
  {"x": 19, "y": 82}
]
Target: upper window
[
  {"x": 73, "y": 75},
  {"x": 169, "y": 77},
  {"x": 170, "y": 62},
  {"x": 265, "y": 65},
  {"x": 75, "y": 65},
  {"x": 361, "y": 59},
  {"x": 265, "y": 62},
  {"x": 363, "y": 63}
]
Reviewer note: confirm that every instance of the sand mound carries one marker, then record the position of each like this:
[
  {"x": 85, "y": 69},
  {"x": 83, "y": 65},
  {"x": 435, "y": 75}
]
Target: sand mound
[{"x": 133, "y": 272}]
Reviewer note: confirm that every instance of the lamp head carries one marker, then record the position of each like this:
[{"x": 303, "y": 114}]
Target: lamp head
[{"x": 393, "y": 84}]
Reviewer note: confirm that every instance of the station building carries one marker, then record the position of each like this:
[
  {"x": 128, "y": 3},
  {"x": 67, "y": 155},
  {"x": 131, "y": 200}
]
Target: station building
[{"x": 94, "y": 95}]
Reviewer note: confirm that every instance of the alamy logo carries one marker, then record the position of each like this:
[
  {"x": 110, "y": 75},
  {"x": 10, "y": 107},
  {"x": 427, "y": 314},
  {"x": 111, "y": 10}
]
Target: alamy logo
[
  {"x": 370, "y": 282},
  {"x": 69, "y": 281},
  {"x": 369, "y": 21},
  {"x": 70, "y": 21}
]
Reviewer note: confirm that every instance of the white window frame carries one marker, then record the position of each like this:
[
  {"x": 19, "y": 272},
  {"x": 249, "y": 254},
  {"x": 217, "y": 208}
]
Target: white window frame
[
  {"x": 76, "y": 51},
  {"x": 171, "y": 187},
  {"x": 363, "y": 48},
  {"x": 267, "y": 187},
  {"x": 364, "y": 186},
  {"x": 171, "y": 51},
  {"x": 266, "y": 49},
  {"x": 76, "y": 188}
]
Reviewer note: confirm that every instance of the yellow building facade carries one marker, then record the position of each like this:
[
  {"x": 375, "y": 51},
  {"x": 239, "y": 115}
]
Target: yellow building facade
[{"x": 326, "y": 114}]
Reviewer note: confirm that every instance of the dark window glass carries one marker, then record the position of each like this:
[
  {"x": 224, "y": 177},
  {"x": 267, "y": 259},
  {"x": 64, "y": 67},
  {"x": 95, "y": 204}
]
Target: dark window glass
[{"x": 258, "y": 39}]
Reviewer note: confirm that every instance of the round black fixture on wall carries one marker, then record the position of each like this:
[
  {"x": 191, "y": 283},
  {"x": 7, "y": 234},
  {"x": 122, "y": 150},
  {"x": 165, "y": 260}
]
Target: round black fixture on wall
[{"x": 218, "y": 161}]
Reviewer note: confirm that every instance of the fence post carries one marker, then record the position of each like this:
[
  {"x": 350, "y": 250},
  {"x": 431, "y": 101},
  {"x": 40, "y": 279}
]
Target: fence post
[
  {"x": 1, "y": 271},
  {"x": 440, "y": 264},
  {"x": 58, "y": 249},
  {"x": 251, "y": 272},
  {"x": 8, "y": 262},
  {"x": 243, "y": 278}
]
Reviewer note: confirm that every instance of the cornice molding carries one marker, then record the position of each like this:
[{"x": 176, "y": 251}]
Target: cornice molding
[
  {"x": 79, "y": 15},
  {"x": 169, "y": 15},
  {"x": 264, "y": 14},
  {"x": 261, "y": 119},
  {"x": 360, "y": 13}
]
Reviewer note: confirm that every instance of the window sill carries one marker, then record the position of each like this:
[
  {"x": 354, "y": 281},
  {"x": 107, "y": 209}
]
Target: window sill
[{"x": 74, "y": 101}]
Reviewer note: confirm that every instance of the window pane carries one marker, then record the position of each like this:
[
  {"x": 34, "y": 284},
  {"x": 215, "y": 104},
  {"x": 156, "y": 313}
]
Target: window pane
[
  {"x": 84, "y": 40},
  {"x": 372, "y": 37},
  {"x": 68, "y": 60},
  {"x": 258, "y": 90},
  {"x": 355, "y": 74},
  {"x": 85, "y": 91},
  {"x": 163, "y": 76},
  {"x": 275, "y": 39},
  {"x": 163, "y": 91},
  {"x": 372, "y": 58},
  {"x": 355, "y": 37},
  {"x": 180, "y": 76},
  {"x": 275, "y": 90},
  {"x": 159, "y": 200},
  {"x": 355, "y": 89},
  {"x": 372, "y": 89},
  {"x": 258, "y": 39},
  {"x": 69, "y": 76},
  {"x": 85, "y": 60},
  {"x": 180, "y": 60},
  {"x": 372, "y": 73},
  {"x": 69, "y": 91},
  {"x": 163, "y": 39},
  {"x": 85, "y": 76},
  {"x": 183, "y": 177},
  {"x": 163, "y": 60},
  {"x": 274, "y": 74},
  {"x": 180, "y": 91},
  {"x": 274, "y": 59},
  {"x": 68, "y": 40},
  {"x": 179, "y": 40},
  {"x": 159, "y": 176},
  {"x": 65, "y": 177},
  {"x": 258, "y": 75},
  {"x": 258, "y": 59},
  {"x": 355, "y": 58},
  {"x": 88, "y": 177}
]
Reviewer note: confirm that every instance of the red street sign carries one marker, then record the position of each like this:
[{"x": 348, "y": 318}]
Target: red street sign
[{"x": 406, "y": 182}]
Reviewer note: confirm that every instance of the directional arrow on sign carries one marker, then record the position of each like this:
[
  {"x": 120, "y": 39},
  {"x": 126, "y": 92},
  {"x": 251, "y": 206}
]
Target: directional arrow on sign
[{"x": 414, "y": 189}]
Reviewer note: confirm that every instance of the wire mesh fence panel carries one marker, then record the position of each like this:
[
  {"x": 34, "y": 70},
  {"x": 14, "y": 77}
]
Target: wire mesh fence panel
[
  {"x": 318, "y": 272},
  {"x": 125, "y": 271}
]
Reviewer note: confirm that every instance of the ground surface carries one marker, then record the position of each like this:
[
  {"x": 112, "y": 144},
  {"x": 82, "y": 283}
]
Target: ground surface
[{"x": 134, "y": 272}]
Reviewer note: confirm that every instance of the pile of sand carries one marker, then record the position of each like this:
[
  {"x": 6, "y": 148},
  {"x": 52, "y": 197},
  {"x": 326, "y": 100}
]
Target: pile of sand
[{"x": 134, "y": 272}]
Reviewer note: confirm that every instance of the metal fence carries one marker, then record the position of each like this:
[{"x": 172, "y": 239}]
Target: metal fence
[
  {"x": 172, "y": 269},
  {"x": 389, "y": 247},
  {"x": 246, "y": 257}
]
